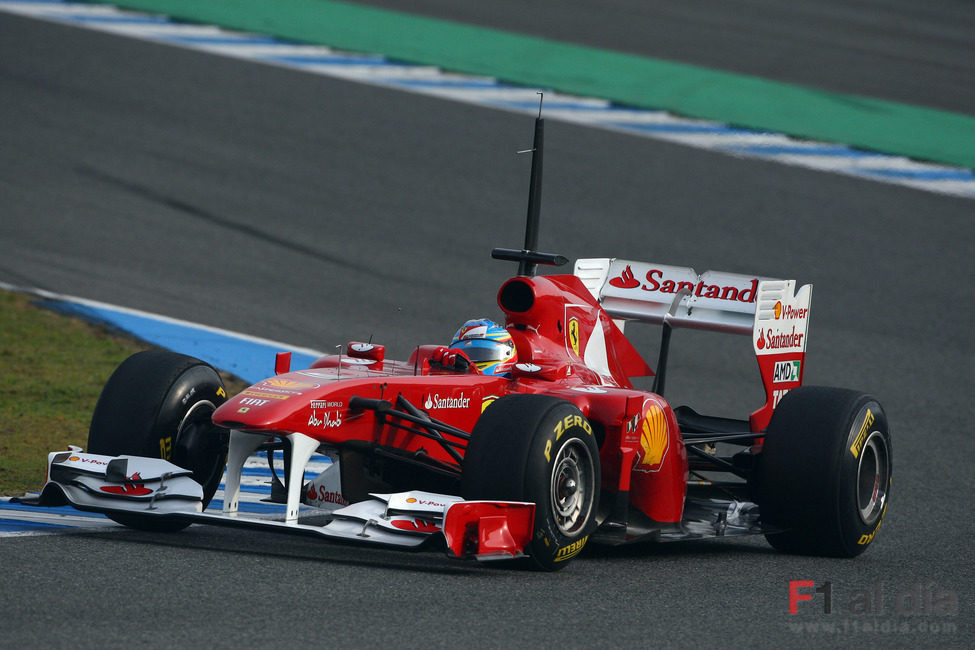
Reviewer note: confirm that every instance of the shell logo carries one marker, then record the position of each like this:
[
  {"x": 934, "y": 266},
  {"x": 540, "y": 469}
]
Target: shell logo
[
  {"x": 778, "y": 310},
  {"x": 287, "y": 383},
  {"x": 654, "y": 438}
]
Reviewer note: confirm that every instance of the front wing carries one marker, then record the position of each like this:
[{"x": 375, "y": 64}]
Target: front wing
[{"x": 154, "y": 488}]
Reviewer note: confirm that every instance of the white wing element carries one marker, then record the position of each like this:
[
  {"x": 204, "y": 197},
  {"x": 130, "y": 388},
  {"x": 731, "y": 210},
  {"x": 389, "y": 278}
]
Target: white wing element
[
  {"x": 121, "y": 483},
  {"x": 596, "y": 357},
  {"x": 679, "y": 296}
]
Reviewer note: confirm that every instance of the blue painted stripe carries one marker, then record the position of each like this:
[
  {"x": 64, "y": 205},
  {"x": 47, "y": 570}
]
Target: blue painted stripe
[
  {"x": 250, "y": 360},
  {"x": 17, "y": 525},
  {"x": 116, "y": 20},
  {"x": 219, "y": 40},
  {"x": 799, "y": 150},
  {"x": 681, "y": 128},
  {"x": 59, "y": 510},
  {"x": 254, "y": 471},
  {"x": 612, "y": 110},
  {"x": 338, "y": 59},
  {"x": 549, "y": 106},
  {"x": 253, "y": 489},
  {"x": 448, "y": 83},
  {"x": 922, "y": 174}
]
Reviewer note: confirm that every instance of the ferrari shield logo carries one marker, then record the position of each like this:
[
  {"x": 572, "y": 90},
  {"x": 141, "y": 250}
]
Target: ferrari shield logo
[{"x": 573, "y": 334}]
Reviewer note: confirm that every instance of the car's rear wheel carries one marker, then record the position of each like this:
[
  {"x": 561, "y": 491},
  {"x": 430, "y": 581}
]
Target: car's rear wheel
[
  {"x": 825, "y": 476},
  {"x": 538, "y": 449},
  {"x": 159, "y": 404}
]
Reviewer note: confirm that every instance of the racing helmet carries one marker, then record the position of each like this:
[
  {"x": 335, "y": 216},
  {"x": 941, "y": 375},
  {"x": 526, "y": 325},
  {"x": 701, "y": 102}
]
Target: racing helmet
[{"x": 487, "y": 345}]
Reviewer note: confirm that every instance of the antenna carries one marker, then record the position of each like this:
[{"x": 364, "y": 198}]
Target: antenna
[
  {"x": 528, "y": 258},
  {"x": 534, "y": 191}
]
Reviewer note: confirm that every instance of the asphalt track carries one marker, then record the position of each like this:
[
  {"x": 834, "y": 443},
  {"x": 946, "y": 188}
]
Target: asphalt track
[
  {"x": 893, "y": 49},
  {"x": 607, "y": 67},
  {"x": 316, "y": 211}
]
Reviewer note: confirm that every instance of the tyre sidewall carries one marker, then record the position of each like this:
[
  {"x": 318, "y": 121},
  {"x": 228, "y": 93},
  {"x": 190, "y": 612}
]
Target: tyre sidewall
[
  {"x": 564, "y": 424},
  {"x": 855, "y": 535}
]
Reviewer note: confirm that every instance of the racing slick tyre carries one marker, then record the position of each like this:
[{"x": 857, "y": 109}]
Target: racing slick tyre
[
  {"x": 539, "y": 449},
  {"x": 159, "y": 404},
  {"x": 825, "y": 472}
]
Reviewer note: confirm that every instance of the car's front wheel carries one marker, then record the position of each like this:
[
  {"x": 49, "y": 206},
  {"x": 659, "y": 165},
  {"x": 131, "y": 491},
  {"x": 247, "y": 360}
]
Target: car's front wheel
[
  {"x": 159, "y": 404},
  {"x": 539, "y": 449}
]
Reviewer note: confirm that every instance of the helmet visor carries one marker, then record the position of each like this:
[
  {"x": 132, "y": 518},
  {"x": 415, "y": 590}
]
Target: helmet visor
[{"x": 481, "y": 350}]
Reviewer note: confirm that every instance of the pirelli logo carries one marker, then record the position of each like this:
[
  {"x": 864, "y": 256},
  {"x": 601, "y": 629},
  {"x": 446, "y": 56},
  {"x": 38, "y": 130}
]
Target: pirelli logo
[
  {"x": 572, "y": 550},
  {"x": 862, "y": 436}
]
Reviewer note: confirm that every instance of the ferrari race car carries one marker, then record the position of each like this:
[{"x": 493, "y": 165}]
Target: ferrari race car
[{"x": 560, "y": 451}]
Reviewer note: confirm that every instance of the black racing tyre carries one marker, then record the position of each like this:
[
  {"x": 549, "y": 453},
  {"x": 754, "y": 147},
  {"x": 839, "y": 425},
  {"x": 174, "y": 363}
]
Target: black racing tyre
[
  {"x": 825, "y": 472},
  {"x": 539, "y": 449},
  {"x": 159, "y": 404}
]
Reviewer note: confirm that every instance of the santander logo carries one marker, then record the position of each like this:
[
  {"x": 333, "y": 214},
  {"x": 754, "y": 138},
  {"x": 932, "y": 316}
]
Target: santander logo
[
  {"x": 437, "y": 402},
  {"x": 321, "y": 494},
  {"x": 656, "y": 280},
  {"x": 625, "y": 280},
  {"x": 779, "y": 340}
]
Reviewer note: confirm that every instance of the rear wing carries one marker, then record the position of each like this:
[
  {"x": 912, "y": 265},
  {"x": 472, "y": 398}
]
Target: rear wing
[
  {"x": 769, "y": 310},
  {"x": 678, "y": 296}
]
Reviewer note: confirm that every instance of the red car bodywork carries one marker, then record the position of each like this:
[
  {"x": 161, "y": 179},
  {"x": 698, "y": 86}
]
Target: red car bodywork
[{"x": 553, "y": 321}]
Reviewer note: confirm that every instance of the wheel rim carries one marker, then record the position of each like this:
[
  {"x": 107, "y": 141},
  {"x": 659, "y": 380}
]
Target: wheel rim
[
  {"x": 197, "y": 446},
  {"x": 873, "y": 476},
  {"x": 573, "y": 487}
]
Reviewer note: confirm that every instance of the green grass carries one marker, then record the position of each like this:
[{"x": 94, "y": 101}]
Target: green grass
[{"x": 52, "y": 369}]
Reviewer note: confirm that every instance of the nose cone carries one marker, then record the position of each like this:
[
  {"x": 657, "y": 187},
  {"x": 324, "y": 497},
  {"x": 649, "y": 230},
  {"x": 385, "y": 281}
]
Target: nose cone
[
  {"x": 268, "y": 404},
  {"x": 247, "y": 411}
]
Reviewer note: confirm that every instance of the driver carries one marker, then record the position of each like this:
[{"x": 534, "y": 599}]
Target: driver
[{"x": 483, "y": 343}]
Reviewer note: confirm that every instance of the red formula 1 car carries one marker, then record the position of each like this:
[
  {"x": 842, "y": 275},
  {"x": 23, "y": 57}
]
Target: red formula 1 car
[{"x": 558, "y": 452}]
